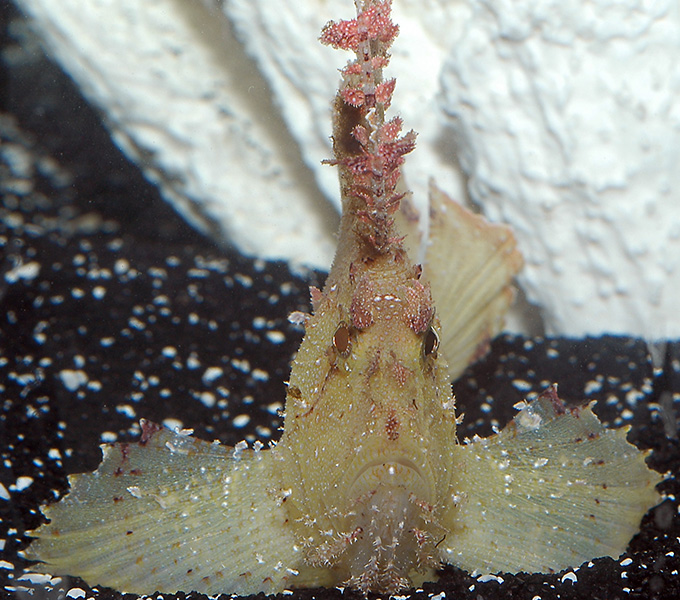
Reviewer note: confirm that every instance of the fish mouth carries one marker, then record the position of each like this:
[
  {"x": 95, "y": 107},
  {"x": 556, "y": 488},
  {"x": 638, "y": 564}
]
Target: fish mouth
[{"x": 389, "y": 471}]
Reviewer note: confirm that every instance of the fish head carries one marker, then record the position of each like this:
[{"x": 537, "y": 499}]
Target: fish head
[{"x": 370, "y": 421}]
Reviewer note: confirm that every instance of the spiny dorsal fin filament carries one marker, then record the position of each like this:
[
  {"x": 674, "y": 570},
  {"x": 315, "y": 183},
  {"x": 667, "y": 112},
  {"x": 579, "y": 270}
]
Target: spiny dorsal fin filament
[{"x": 370, "y": 160}]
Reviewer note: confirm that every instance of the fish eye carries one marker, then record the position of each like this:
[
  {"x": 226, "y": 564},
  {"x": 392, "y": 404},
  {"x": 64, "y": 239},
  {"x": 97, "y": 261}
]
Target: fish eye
[
  {"x": 430, "y": 343},
  {"x": 342, "y": 341}
]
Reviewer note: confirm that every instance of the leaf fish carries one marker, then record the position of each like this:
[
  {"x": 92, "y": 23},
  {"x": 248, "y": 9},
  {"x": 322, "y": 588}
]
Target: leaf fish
[{"x": 368, "y": 486}]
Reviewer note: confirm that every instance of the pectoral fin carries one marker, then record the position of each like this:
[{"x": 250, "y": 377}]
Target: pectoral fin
[
  {"x": 173, "y": 513},
  {"x": 470, "y": 264},
  {"x": 553, "y": 489}
]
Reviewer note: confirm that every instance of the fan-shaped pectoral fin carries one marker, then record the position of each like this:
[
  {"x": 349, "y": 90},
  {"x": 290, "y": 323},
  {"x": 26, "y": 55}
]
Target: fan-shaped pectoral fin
[
  {"x": 553, "y": 489},
  {"x": 174, "y": 513}
]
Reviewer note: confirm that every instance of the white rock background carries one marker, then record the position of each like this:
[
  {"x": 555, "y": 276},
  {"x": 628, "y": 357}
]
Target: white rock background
[{"x": 565, "y": 116}]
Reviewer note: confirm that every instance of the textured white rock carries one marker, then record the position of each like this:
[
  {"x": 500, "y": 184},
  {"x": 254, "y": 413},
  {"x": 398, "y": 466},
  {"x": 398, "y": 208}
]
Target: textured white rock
[
  {"x": 566, "y": 121},
  {"x": 181, "y": 99},
  {"x": 570, "y": 115}
]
